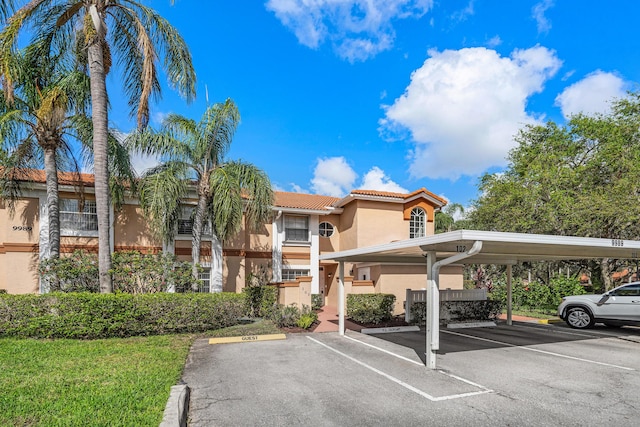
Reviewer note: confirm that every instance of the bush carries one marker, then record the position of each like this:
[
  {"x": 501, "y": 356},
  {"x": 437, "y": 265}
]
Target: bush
[
  {"x": 261, "y": 300},
  {"x": 77, "y": 272},
  {"x": 307, "y": 318},
  {"x": 370, "y": 308},
  {"x": 317, "y": 301},
  {"x": 463, "y": 311},
  {"x": 286, "y": 316},
  {"x": 458, "y": 311},
  {"x": 89, "y": 316},
  {"x": 538, "y": 296},
  {"x": 135, "y": 273}
]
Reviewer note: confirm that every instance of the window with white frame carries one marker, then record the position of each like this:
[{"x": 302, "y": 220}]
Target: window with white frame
[
  {"x": 205, "y": 281},
  {"x": 296, "y": 228},
  {"x": 417, "y": 223},
  {"x": 291, "y": 274},
  {"x": 78, "y": 216},
  {"x": 325, "y": 229}
]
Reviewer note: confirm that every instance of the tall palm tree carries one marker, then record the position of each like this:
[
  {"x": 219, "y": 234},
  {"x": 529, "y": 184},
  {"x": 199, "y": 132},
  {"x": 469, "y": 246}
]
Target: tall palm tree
[
  {"x": 36, "y": 124},
  {"x": 194, "y": 152},
  {"x": 137, "y": 36}
]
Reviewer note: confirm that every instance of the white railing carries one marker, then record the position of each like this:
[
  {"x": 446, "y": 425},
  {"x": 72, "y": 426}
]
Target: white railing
[{"x": 445, "y": 295}]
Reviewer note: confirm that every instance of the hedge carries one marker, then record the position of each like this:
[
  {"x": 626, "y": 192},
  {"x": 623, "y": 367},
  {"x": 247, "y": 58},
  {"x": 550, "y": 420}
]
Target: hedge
[
  {"x": 370, "y": 308},
  {"x": 89, "y": 316},
  {"x": 458, "y": 311}
]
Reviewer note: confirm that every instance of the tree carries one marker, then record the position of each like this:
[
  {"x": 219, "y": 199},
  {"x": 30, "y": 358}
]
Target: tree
[
  {"x": 224, "y": 189},
  {"x": 445, "y": 219},
  {"x": 581, "y": 179},
  {"x": 36, "y": 123},
  {"x": 138, "y": 36}
]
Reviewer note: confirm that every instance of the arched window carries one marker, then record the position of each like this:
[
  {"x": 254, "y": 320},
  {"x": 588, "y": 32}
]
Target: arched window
[{"x": 418, "y": 223}]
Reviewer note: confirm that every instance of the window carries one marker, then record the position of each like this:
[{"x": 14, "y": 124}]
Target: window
[
  {"x": 296, "y": 228},
  {"x": 628, "y": 291},
  {"x": 325, "y": 229},
  {"x": 205, "y": 281},
  {"x": 185, "y": 222},
  {"x": 417, "y": 224},
  {"x": 76, "y": 215},
  {"x": 290, "y": 275}
]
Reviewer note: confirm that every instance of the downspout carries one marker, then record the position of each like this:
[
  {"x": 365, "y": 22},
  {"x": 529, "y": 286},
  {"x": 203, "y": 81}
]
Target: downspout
[{"x": 433, "y": 300}]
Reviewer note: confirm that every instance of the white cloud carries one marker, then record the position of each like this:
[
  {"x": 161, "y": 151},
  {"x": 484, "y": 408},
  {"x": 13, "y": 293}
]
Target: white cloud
[
  {"x": 463, "y": 108},
  {"x": 142, "y": 162},
  {"x": 494, "y": 41},
  {"x": 591, "y": 94},
  {"x": 465, "y": 13},
  {"x": 333, "y": 177},
  {"x": 357, "y": 29},
  {"x": 544, "y": 25},
  {"x": 158, "y": 117},
  {"x": 376, "y": 179}
]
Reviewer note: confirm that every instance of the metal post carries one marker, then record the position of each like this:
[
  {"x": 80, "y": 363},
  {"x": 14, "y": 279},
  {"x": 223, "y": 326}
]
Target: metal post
[
  {"x": 432, "y": 327},
  {"x": 509, "y": 295},
  {"x": 341, "y": 298}
]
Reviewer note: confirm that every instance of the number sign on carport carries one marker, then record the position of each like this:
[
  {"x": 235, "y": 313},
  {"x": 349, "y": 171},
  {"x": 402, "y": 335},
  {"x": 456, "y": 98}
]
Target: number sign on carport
[{"x": 475, "y": 247}]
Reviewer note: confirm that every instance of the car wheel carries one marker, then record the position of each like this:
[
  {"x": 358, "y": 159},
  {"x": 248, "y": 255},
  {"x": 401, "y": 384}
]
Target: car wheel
[{"x": 579, "y": 318}]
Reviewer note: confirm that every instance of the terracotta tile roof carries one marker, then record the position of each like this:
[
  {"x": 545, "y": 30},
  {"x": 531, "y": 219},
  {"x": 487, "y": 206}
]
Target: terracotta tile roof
[
  {"x": 303, "y": 201},
  {"x": 64, "y": 178},
  {"x": 398, "y": 195}
]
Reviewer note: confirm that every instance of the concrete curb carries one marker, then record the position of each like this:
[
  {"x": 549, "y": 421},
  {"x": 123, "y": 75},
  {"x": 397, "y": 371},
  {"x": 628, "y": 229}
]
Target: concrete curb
[
  {"x": 177, "y": 409},
  {"x": 549, "y": 321}
]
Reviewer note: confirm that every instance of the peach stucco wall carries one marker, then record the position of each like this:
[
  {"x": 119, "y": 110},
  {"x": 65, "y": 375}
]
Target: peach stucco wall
[
  {"x": 19, "y": 250},
  {"x": 132, "y": 231}
]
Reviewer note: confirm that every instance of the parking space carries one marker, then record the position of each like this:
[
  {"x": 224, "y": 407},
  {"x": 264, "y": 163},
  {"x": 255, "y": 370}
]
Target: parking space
[{"x": 518, "y": 375}]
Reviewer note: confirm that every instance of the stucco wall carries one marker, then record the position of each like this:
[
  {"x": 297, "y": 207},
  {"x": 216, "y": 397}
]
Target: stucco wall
[{"x": 132, "y": 231}]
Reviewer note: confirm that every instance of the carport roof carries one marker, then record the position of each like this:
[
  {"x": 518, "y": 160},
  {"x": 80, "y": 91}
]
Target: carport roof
[{"x": 497, "y": 248}]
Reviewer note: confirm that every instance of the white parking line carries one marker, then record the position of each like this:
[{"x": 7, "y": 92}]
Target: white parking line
[
  {"x": 540, "y": 351},
  {"x": 402, "y": 383}
]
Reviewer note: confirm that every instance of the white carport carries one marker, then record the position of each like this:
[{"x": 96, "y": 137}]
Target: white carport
[{"x": 475, "y": 247}]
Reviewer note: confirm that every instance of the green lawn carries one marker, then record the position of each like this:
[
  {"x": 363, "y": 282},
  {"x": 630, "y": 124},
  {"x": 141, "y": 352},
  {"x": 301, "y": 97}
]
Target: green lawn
[{"x": 109, "y": 382}]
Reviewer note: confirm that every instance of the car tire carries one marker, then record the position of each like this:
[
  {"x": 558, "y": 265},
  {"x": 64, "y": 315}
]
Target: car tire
[{"x": 580, "y": 318}]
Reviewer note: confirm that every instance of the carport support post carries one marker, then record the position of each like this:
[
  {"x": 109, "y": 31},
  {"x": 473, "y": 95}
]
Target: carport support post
[
  {"x": 509, "y": 295},
  {"x": 433, "y": 311},
  {"x": 341, "y": 298}
]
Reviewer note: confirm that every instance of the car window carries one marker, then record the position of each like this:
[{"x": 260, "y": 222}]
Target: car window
[{"x": 628, "y": 291}]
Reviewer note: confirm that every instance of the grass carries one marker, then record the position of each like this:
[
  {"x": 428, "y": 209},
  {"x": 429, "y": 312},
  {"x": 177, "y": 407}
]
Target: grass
[{"x": 109, "y": 382}]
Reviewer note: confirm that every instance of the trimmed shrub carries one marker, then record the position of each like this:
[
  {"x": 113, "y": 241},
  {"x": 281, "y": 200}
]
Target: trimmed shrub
[
  {"x": 419, "y": 313},
  {"x": 538, "y": 296},
  {"x": 370, "y": 308},
  {"x": 89, "y": 316},
  {"x": 261, "y": 300},
  {"x": 463, "y": 311}
]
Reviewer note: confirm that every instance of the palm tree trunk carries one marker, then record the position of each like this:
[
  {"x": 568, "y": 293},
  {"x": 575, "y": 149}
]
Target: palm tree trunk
[
  {"x": 101, "y": 171},
  {"x": 53, "y": 208},
  {"x": 198, "y": 226}
]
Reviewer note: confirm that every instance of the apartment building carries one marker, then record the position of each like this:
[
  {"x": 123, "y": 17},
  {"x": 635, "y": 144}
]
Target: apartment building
[{"x": 285, "y": 250}]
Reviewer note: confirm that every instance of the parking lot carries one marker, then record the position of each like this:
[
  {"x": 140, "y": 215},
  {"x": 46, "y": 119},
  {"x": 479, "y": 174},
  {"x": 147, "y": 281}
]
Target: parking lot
[{"x": 508, "y": 375}]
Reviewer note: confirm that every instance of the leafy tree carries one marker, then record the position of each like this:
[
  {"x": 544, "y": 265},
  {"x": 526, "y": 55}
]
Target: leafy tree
[
  {"x": 137, "y": 36},
  {"x": 224, "y": 189},
  {"x": 581, "y": 179},
  {"x": 36, "y": 124},
  {"x": 445, "y": 219}
]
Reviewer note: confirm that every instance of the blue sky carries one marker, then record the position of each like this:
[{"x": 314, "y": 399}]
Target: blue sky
[{"x": 396, "y": 95}]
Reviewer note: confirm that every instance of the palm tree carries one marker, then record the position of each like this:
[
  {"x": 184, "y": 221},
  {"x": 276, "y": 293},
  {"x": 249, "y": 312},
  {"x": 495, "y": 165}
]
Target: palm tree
[
  {"x": 136, "y": 36},
  {"x": 36, "y": 123},
  {"x": 195, "y": 152}
]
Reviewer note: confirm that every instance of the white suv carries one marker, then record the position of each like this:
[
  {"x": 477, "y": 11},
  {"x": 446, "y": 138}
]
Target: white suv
[{"x": 619, "y": 306}]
